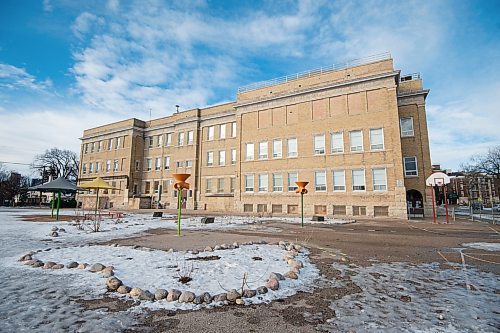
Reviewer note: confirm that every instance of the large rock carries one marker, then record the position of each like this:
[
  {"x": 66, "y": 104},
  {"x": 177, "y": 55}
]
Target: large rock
[
  {"x": 249, "y": 293},
  {"x": 72, "y": 264},
  {"x": 232, "y": 295},
  {"x": 83, "y": 265},
  {"x": 54, "y": 228},
  {"x": 108, "y": 269},
  {"x": 207, "y": 220},
  {"x": 37, "y": 263},
  {"x": 173, "y": 295},
  {"x": 273, "y": 284},
  {"x": 207, "y": 298},
  {"x": 198, "y": 300},
  {"x": 261, "y": 290},
  {"x": 276, "y": 276},
  {"x": 209, "y": 249},
  {"x": 123, "y": 289},
  {"x": 295, "y": 263},
  {"x": 26, "y": 257},
  {"x": 220, "y": 298},
  {"x": 97, "y": 267},
  {"x": 160, "y": 294},
  {"x": 113, "y": 283},
  {"x": 57, "y": 266},
  {"x": 107, "y": 274},
  {"x": 186, "y": 297},
  {"x": 49, "y": 264},
  {"x": 239, "y": 301},
  {"x": 146, "y": 295},
  {"x": 135, "y": 292},
  {"x": 54, "y": 234},
  {"x": 291, "y": 275},
  {"x": 62, "y": 230},
  {"x": 29, "y": 262}
]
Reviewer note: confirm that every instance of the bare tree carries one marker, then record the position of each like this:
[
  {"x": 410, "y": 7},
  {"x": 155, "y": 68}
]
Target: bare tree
[
  {"x": 61, "y": 163},
  {"x": 488, "y": 163}
]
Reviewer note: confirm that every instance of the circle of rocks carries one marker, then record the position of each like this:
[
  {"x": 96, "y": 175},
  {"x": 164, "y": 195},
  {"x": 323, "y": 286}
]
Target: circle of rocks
[{"x": 233, "y": 296}]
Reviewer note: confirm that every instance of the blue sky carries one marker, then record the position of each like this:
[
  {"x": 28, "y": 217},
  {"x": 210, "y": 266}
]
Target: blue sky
[{"x": 69, "y": 65}]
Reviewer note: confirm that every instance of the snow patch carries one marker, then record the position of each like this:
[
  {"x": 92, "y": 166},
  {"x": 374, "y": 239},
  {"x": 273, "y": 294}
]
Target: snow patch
[{"x": 483, "y": 246}]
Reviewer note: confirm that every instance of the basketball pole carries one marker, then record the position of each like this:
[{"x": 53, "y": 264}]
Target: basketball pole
[
  {"x": 433, "y": 203},
  {"x": 446, "y": 204}
]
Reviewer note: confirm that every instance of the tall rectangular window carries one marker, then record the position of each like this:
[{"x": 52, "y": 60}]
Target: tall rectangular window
[
  {"x": 319, "y": 144},
  {"x": 115, "y": 165},
  {"x": 168, "y": 140},
  {"x": 233, "y": 129},
  {"x": 210, "y": 133},
  {"x": 379, "y": 177},
  {"x": 376, "y": 139},
  {"x": 147, "y": 187},
  {"x": 356, "y": 140},
  {"x": 190, "y": 137},
  {"x": 292, "y": 178},
  {"x": 137, "y": 166},
  {"x": 248, "y": 183},
  {"x": 180, "y": 140},
  {"x": 220, "y": 185},
  {"x": 262, "y": 150},
  {"x": 320, "y": 181},
  {"x": 291, "y": 147},
  {"x": 222, "y": 131},
  {"x": 263, "y": 182},
  {"x": 92, "y": 147},
  {"x": 208, "y": 186},
  {"x": 337, "y": 142},
  {"x": 150, "y": 141},
  {"x": 277, "y": 182},
  {"x": 222, "y": 157},
  {"x": 159, "y": 140},
  {"x": 232, "y": 184},
  {"x": 233, "y": 156},
  {"x": 96, "y": 167},
  {"x": 406, "y": 124},
  {"x": 108, "y": 166},
  {"x": 91, "y": 166},
  {"x": 110, "y": 144},
  {"x": 179, "y": 164},
  {"x": 166, "y": 163},
  {"x": 358, "y": 180},
  {"x": 158, "y": 163},
  {"x": 99, "y": 146},
  {"x": 86, "y": 148},
  {"x": 148, "y": 164},
  {"x": 189, "y": 163},
  {"x": 339, "y": 180},
  {"x": 84, "y": 168},
  {"x": 249, "y": 152},
  {"x": 410, "y": 164},
  {"x": 210, "y": 158},
  {"x": 277, "y": 147},
  {"x": 117, "y": 143}
]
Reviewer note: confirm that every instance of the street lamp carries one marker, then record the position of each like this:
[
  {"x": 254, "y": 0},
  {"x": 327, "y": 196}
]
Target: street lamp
[
  {"x": 302, "y": 190},
  {"x": 180, "y": 184}
]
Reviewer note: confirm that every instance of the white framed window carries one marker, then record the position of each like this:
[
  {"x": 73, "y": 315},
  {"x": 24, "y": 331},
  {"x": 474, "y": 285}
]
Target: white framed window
[
  {"x": 222, "y": 131},
  {"x": 291, "y": 147},
  {"x": 356, "y": 140},
  {"x": 179, "y": 164},
  {"x": 233, "y": 129},
  {"x": 96, "y": 167},
  {"x": 319, "y": 144},
  {"x": 222, "y": 157},
  {"x": 110, "y": 144},
  {"x": 277, "y": 148},
  {"x": 180, "y": 140},
  {"x": 189, "y": 164},
  {"x": 168, "y": 139},
  {"x": 232, "y": 184},
  {"x": 233, "y": 156},
  {"x": 86, "y": 148},
  {"x": 379, "y": 178},
  {"x": 320, "y": 181},
  {"x": 115, "y": 165},
  {"x": 190, "y": 137},
  {"x": 339, "y": 180},
  {"x": 248, "y": 183},
  {"x": 99, "y": 146},
  {"x": 337, "y": 142},
  {"x": 166, "y": 163},
  {"x": 406, "y": 125},
  {"x": 157, "y": 163},
  {"x": 410, "y": 164},
  {"x": 208, "y": 185},
  {"x": 150, "y": 141},
  {"x": 249, "y": 151},
  {"x": 91, "y": 167},
  {"x": 108, "y": 165},
  {"x": 220, "y": 185},
  {"x": 210, "y": 158},
  {"x": 117, "y": 143},
  {"x": 263, "y": 182},
  {"x": 376, "y": 139},
  {"x": 277, "y": 182},
  {"x": 358, "y": 180},
  {"x": 159, "y": 140},
  {"x": 148, "y": 164},
  {"x": 84, "y": 168},
  {"x": 263, "y": 150},
  {"x": 210, "y": 133},
  {"x": 292, "y": 178},
  {"x": 92, "y": 147}
]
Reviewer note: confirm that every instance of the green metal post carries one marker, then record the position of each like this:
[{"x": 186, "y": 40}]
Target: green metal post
[
  {"x": 58, "y": 204},
  {"x": 96, "y": 202},
  {"x": 53, "y": 199},
  {"x": 179, "y": 193},
  {"x": 302, "y": 205}
]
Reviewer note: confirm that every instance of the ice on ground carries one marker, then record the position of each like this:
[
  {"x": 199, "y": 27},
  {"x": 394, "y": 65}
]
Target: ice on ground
[{"x": 483, "y": 246}]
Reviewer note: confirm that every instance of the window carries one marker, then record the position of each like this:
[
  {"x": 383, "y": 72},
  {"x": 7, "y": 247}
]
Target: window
[
  {"x": 179, "y": 164},
  {"x": 406, "y": 126},
  {"x": 233, "y": 129},
  {"x": 222, "y": 157},
  {"x": 180, "y": 139},
  {"x": 220, "y": 185},
  {"x": 233, "y": 156},
  {"x": 262, "y": 150},
  {"x": 248, "y": 183},
  {"x": 247, "y": 208},
  {"x": 379, "y": 177},
  {"x": 189, "y": 164},
  {"x": 96, "y": 167},
  {"x": 91, "y": 167},
  {"x": 117, "y": 142},
  {"x": 86, "y": 148},
  {"x": 137, "y": 166},
  {"x": 356, "y": 140},
  {"x": 210, "y": 158},
  {"x": 92, "y": 147},
  {"x": 110, "y": 144},
  {"x": 411, "y": 166},
  {"x": 210, "y": 133},
  {"x": 291, "y": 147},
  {"x": 376, "y": 139},
  {"x": 222, "y": 131},
  {"x": 115, "y": 165},
  {"x": 249, "y": 151},
  {"x": 150, "y": 141},
  {"x": 292, "y": 178},
  {"x": 208, "y": 187},
  {"x": 232, "y": 184},
  {"x": 339, "y": 180},
  {"x": 159, "y": 140},
  {"x": 263, "y": 183},
  {"x": 320, "y": 181},
  {"x": 158, "y": 163},
  {"x": 148, "y": 164},
  {"x": 190, "y": 137},
  {"x": 319, "y": 144},
  {"x": 358, "y": 180},
  {"x": 84, "y": 168},
  {"x": 147, "y": 187},
  {"x": 277, "y": 146},
  {"x": 168, "y": 140},
  {"x": 108, "y": 166},
  {"x": 99, "y": 147},
  {"x": 166, "y": 164},
  {"x": 277, "y": 182},
  {"x": 337, "y": 142}
]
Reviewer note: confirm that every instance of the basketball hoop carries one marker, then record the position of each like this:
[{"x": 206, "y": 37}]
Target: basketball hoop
[{"x": 439, "y": 179}]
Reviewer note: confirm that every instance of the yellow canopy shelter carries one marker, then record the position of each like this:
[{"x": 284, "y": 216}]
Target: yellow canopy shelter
[{"x": 97, "y": 184}]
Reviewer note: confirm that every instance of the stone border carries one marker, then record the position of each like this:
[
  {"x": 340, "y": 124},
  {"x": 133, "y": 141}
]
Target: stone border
[{"x": 114, "y": 284}]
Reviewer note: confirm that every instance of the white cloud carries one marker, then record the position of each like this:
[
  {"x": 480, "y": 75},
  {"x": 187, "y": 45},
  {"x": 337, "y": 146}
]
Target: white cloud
[
  {"x": 84, "y": 23},
  {"x": 47, "y": 6},
  {"x": 14, "y": 78}
]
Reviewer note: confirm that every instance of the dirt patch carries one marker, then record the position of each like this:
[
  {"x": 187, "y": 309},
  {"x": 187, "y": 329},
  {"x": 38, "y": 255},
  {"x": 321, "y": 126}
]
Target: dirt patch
[
  {"x": 111, "y": 304},
  {"x": 209, "y": 258},
  {"x": 45, "y": 218}
]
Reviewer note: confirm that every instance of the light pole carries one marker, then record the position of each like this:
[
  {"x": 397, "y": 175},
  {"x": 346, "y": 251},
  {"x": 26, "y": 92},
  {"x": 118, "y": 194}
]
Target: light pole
[
  {"x": 302, "y": 190},
  {"x": 180, "y": 184}
]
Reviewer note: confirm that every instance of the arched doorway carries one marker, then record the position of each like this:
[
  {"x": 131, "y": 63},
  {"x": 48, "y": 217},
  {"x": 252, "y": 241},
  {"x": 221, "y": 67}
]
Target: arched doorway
[{"x": 415, "y": 203}]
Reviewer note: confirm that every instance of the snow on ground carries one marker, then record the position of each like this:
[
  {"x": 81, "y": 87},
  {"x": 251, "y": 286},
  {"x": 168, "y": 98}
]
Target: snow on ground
[
  {"x": 483, "y": 246},
  {"x": 401, "y": 297}
]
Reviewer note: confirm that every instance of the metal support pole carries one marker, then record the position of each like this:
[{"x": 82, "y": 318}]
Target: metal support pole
[
  {"x": 433, "y": 204},
  {"x": 53, "y": 200},
  {"x": 96, "y": 202},
  {"x": 58, "y": 204},
  {"x": 446, "y": 204},
  {"x": 179, "y": 193},
  {"x": 302, "y": 205}
]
